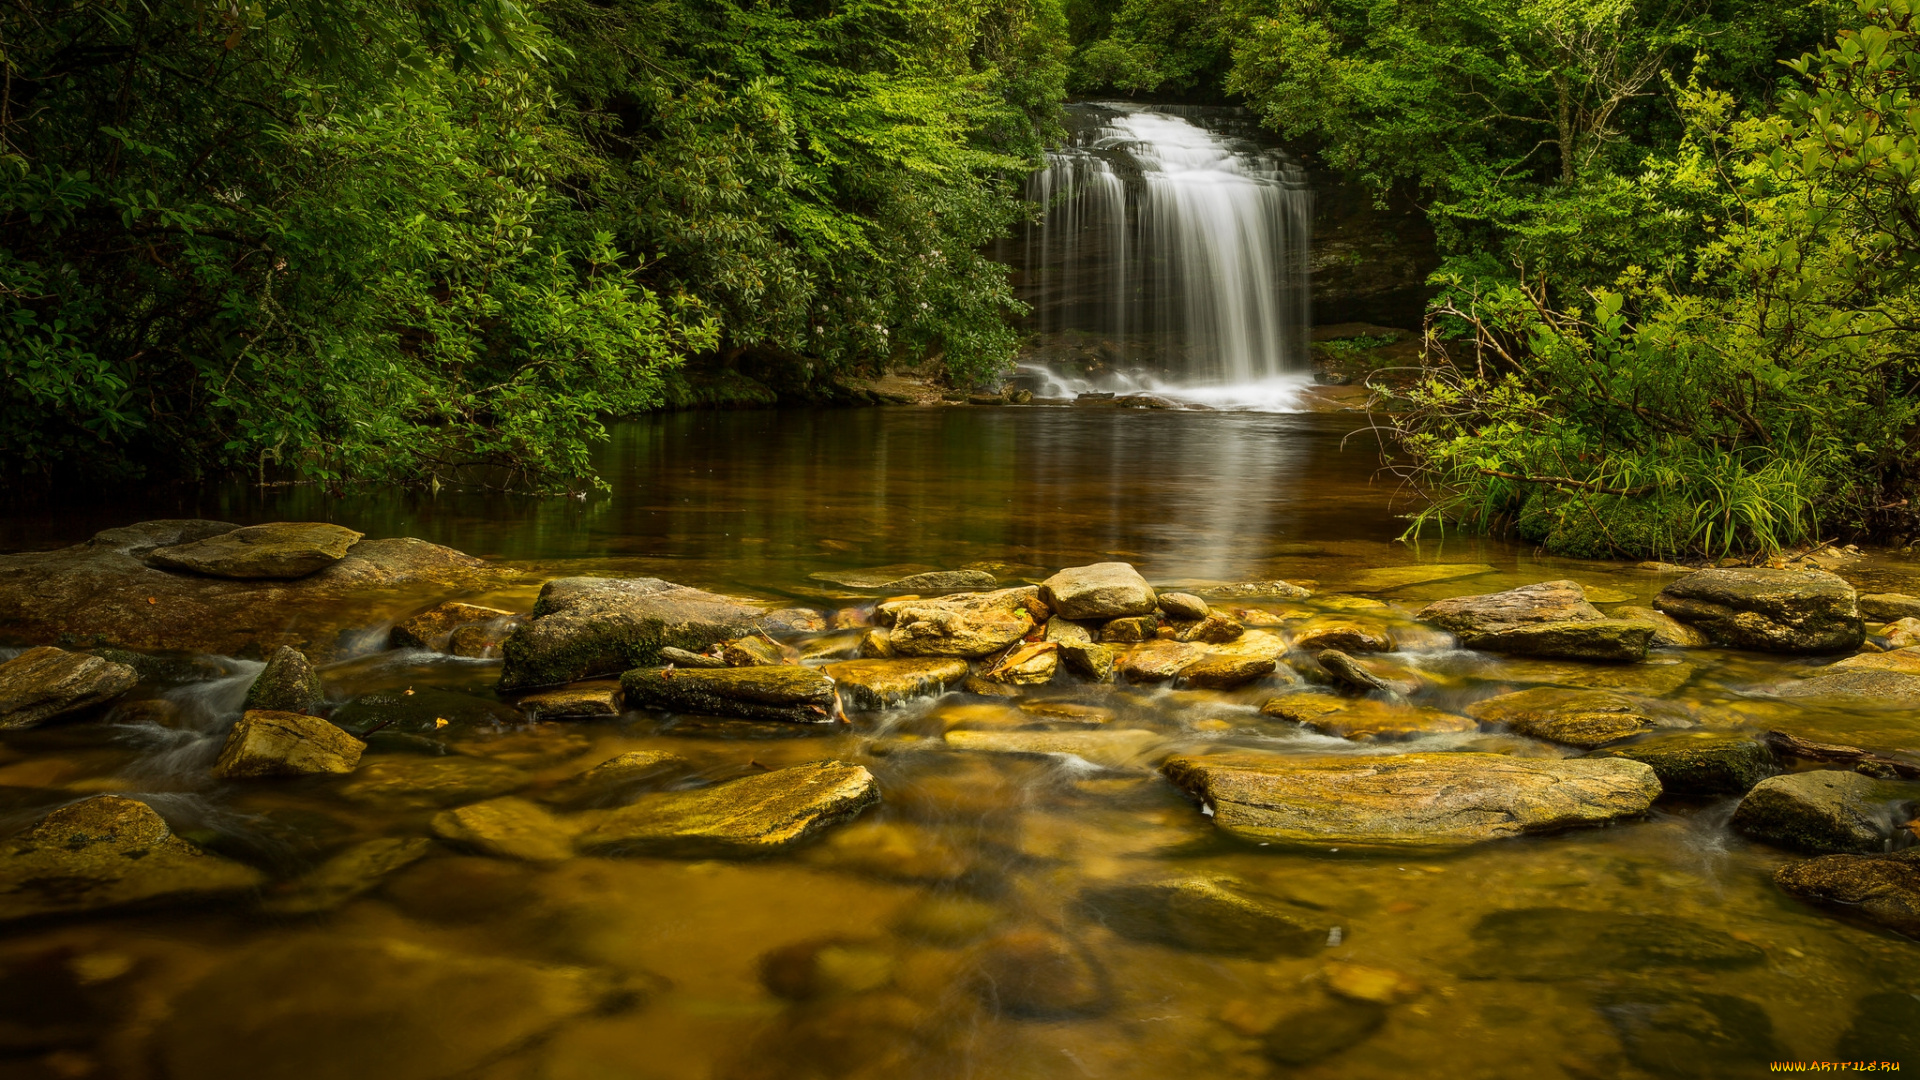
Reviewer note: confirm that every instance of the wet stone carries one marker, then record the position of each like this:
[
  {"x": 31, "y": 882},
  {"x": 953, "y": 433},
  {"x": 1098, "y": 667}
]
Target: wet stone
[
  {"x": 1667, "y": 630},
  {"x": 606, "y": 782},
  {"x": 586, "y": 627},
  {"x": 1904, "y": 660},
  {"x": 1129, "y": 630},
  {"x": 895, "y": 850},
  {"x": 109, "y": 852},
  {"x": 1218, "y": 628},
  {"x": 1790, "y": 611},
  {"x": 1306, "y": 1036},
  {"x": 968, "y": 624},
  {"x": 1096, "y": 662},
  {"x": 477, "y": 642},
  {"x": 1882, "y": 890},
  {"x": 1703, "y": 763},
  {"x": 1253, "y": 590},
  {"x": 507, "y": 828},
  {"x": 1363, "y": 719},
  {"x": 287, "y": 684},
  {"x": 1822, "y": 811},
  {"x": 1032, "y": 664},
  {"x": 1209, "y": 915},
  {"x": 1655, "y": 678},
  {"x": 876, "y": 644},
  {"x": 1217, "y": 672},
  {"x": 264, "y": 743},
  {"x": 431, "y": 629},
  {"x": 351, "y": 873},
  {"x": 1409, "y": 800},
  {"x": 1866, "y": 686},
  {"x": 46, "y": 682},
  {"x": 1388, "y": 579},
  {"x": 421, "y": 711},
  {"x": 752, "y": 815},
  {"x": 1889, "y": 607},
  {"x": 831, "y": 967},
  {"x": 1036, "y": 973},
  {"x": 1358, "y": 982},
  {"x": 1183, "y": 607},
  {"x": 409, "y": 780},
  {"x": 1158, "y": 661},
  {"x": 1583, "y": 718},
  {"x": 596, "y": 700},
  {"x": 283, "y": 550},
  {"x": 1110, "y": 590},
  {"x": 1902, "y": 634},
  {"x": 1550, "y": 619},
  {"x": 974, "y": 684},
  {"x": 1347, "y": 635},
  {"x": 899, "y": 579},
  {"x": 785, "y": 692},
  {"x": 1114, "y": 749},
  {"x": 1553, "y": 944},
  {"x": 1355, "y": 675},
  {"x": 750, "y": 651},
  {"x": 884, "y": 684}
]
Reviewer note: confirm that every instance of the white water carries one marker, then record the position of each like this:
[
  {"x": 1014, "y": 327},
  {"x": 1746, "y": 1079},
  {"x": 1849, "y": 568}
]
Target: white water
[{"x": 1180, "y": 253}]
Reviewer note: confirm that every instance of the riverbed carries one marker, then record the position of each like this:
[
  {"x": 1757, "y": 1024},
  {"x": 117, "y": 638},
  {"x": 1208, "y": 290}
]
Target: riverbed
[{"x": 1656, "y": 946}]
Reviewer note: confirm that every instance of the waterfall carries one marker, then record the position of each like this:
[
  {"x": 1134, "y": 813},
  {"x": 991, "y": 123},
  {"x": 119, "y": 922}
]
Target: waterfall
[{"x": 1173, "y": 249}]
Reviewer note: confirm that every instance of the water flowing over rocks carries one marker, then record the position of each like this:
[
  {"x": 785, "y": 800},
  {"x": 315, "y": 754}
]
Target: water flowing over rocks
[
  {"x": 287, "y": 684},
  {"x": 752, "y": 815},
  {"x": 1883, "y": 890},
  {"x": 434, "y": 627},
  {"x": 968, "y": 624},
  {"x": 584, "y": 627},
  {"x": 102, "y": 591},
  {"x": 287, "y": 549},
  {"x": 1111, "y": 590},
  {"x": 793, "y": 694},
  {"x": 1038, "y": 973},
  {"x": 1409, "y": 800},
  {"x": 109, "y": 852},
  {"x": 884, "y": 684},
  {"x": 1787, "y": 611},
  {"x": 1823, "y": 811},
  {"x": 1115, "y": 749},
  {"x": 44, "y": 683},
  {"x": 266, "y": 743},
  {"x": 1865, "y": 685},
  {"x": 1551, "y": 619}
]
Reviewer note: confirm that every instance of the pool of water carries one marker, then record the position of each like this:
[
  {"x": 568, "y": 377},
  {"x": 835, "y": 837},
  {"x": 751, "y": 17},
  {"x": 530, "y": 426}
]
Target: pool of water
[{"x": 875, "y": 951}]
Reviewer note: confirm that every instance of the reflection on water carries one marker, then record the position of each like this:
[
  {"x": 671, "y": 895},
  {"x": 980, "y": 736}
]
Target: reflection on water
[{"x": 946, "y": 932}]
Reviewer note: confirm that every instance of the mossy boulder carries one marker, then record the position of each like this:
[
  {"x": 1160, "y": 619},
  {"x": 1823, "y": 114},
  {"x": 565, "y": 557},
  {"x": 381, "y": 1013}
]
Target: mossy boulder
[
  {"x": 784, "y": 692},
  {"x": 585, "y": 627},
  {"x": 1786, "y": 611},
  {"x": 265, "y": 743},
  {"x": 287, "y": 684},
  {"x": 109, "y": 852},
  {"x": 751, "y": 816},
  {"x": 1703, "y": 763},
  {"x": 1883, "y": 890},
  {"x": 1822, "y": 811}
]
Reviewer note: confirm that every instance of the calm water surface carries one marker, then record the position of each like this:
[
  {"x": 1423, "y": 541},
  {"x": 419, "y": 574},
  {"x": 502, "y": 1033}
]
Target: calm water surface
[{"x": 465, "y": 966}]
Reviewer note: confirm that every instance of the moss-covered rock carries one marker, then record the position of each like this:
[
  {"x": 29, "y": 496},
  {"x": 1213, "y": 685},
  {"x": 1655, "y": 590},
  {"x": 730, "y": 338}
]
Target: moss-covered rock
[
  {"x": 284, "y": 549},
  {"x": 598, "y": 699},
  {"x": 1789, "y": 611},
  {"x": 884, "y": 684},
  {"x": 785, "y": 692},
  {"x": 265, "y": 743},
  {"x": 1584, "y": 718},
  {"x": 1703, "y": 763},
  {"x": 750, "y": 816},
  {"x": 46, "y": 682},
  {"x": 109, "y": 852},
  {"x": 287, "y": 684},
  {"x": 1822, "y": 811},
  {"x": 585, "y": 627},
  {"x": 1883, "y": 890}
]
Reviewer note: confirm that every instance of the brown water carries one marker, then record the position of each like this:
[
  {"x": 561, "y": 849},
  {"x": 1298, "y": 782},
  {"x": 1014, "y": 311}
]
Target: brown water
[{"x": 654, "y": 968}]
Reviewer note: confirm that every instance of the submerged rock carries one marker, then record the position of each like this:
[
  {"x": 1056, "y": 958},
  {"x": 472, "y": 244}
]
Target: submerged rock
[
  {"x": 607, "y": 781},
  {"x": 595, "y": 700},
  {"x": 1823, "y": 811},
  {"x": 1409, "y": 800},
  {"x": 1886, "y": 1027},
  {"x": 1209, "y": 915},
  {"x": 351, "y": 873},
  {"x": 285, "y": 549},
  {"x": 287, "y": 684},
  {"x": 1691, "y": 1034},
  {"x": 1554, "y": 944},
  {"x": 884, "y": 684},
  {"x": 1902, "y": 633},
  {"x": 413, "y": 781},
  {"x": 752, "y": 815},
  {"x": 1398, "y": 577},
  {"x": 46, "y": 682},
  {"x": 1903, "y": 660},
  {"x": 1587, "y": 719},
  {"x": 1109, "y": 590},
  {"x": 1253, "y": 590},
  {"x": 109, "y": 852},
  {"x": 1791, "y": 611},
  {"x": 1306, "y": 1036},
  {"x": 786, "y": 692},
  {"x": 1224, "y": 672},
  {"x": 508, "y": 828},
  {"x": 1880, "y": 889},
  {"x": 824, "y": 968},
  {"x": 1703, "y": 763},
  {"x": 582, "y": 627},
  {"x": 327, "y": 1006},
  {"x": 266, "y": 743},
  {"x": 427, "y": 710},
  {"x": 1041, "y": 974},
  {"x": 432, "y": 628},
  {"x": 1865, "y": 685},
  {"x": 968, "y": 624},
  {"x": 1355, "y": 675}
]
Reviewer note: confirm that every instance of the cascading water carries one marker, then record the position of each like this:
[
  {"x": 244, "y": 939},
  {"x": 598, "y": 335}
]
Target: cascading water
[{"x": 1172, "y": 256}]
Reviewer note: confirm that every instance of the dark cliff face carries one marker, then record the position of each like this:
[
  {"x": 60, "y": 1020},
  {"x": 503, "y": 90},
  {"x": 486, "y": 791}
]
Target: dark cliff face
[{"x": 1369, "y": 264}]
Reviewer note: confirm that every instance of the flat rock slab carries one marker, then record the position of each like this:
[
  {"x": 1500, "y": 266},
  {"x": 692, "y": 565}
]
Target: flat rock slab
[
  {"x": 265, "y": 743},
  {"x": 46, "y": 682},
  {"x": 1880, "y": 889},
  {"x": 1826, "y": 811},
  {"x": 1109, "y": 590},
  {"x": 774, "y": 692},
  {"x": 750, "y": 816},
  {"x": 1866, "y": 686},
  {"x": 1546, "y": 602},
  {"x": 1889, "y": 607},
  {"x": 1208, "y": 915},
  {"x": 1789, "y": 611},
  {"x": 585, "y": 627},
  {"x": 1606, "y": 640},
  {"x": 1703, "y": 763},
  {"x": 282, "y": 550},
  {"x": 329, "y": 1006},
  {"x": 884, "y": 684},
  {"x": 408, "y": 780},
  {"x": 1587, "y": 719},
  {"x": 595, "y": 700},
  {"x": 1655, "y": 678},
  {"x": 1365, "y": 719},
  {"x": 1409, "y": 800},
  {"x": 1113, "y": 749},
  {"x": 101, "y": 591},
  {"x": 109, "y": 852},
  {"x": 908, "y": 579},
  {"x": 968, "y": 624},
  {"x": 1550, "y": 619},
  {"x": 1905, "y": 660},
  {"x": 605, "y": 782}
]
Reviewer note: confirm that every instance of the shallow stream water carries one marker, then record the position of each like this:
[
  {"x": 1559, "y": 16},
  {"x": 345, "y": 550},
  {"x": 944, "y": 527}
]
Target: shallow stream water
[{"x": 666, "y": 969}]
